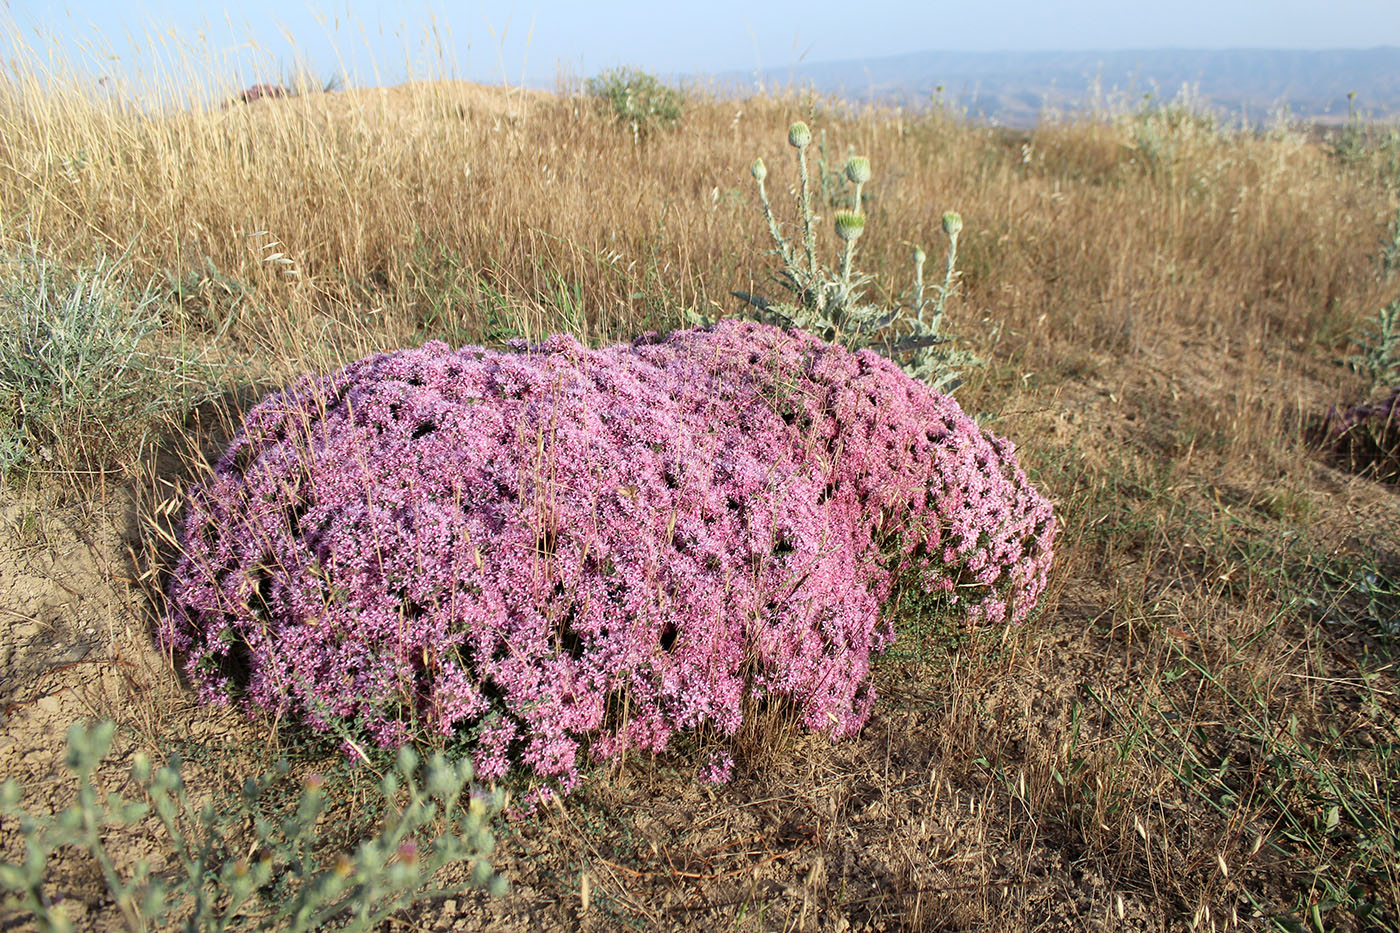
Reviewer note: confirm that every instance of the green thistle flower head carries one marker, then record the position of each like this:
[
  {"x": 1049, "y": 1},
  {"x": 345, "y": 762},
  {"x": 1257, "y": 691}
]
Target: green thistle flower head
[
  {"x": 858, "y": 169},
  {"x": 799, "y": 137},
  {"x": 952, "y": 223},
  {"x": 849, "y": 225},
  {"x": 760, "y": 171},
  {"x": 920, "y": 257}
]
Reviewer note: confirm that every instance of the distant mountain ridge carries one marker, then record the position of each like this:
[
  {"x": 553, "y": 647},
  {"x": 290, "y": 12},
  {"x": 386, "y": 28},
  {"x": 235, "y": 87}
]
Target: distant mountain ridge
[{"x": 1016, "y": 88}]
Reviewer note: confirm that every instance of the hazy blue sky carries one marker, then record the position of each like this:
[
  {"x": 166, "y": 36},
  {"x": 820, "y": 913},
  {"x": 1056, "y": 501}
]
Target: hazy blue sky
[{"x": 498, "y": 39}]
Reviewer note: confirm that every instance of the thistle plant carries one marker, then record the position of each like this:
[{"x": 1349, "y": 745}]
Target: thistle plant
[
  {"x": 223, "y": 880},
  {"x": 830, "y": 303},
  {"x": 1380, "y": 348}
]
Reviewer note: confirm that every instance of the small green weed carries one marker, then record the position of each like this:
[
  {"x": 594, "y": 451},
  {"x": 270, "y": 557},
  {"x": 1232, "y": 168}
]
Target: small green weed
[
  {"x": 834, "y": 184},
  {"x": 454, "y": 303},
  {"x": 1351, "y": 143},
  {"x": 1389, "y": 257},
  {"x": 281, "y": 881},
  {"x": 1364, "y": 146}
]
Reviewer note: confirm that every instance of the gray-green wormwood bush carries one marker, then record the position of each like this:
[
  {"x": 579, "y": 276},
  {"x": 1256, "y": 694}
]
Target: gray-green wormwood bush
[
  {"x": 637, "y": 99},
  {"x": 241, "y": 865},
  {"x": 830, "y": 302},
  {"x": 84, "y": 366}
]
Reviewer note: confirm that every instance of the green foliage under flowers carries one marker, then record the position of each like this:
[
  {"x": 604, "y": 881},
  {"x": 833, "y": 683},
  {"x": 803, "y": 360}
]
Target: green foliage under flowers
[
  {"x": 830, "y": 303},
  {"x": 241, "y": 865},
  {"x": 638, "y": 99}
]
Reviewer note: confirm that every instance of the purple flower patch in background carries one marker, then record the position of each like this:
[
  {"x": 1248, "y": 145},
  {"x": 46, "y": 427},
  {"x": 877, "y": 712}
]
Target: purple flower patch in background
[{"x": 1365, "y": 438}]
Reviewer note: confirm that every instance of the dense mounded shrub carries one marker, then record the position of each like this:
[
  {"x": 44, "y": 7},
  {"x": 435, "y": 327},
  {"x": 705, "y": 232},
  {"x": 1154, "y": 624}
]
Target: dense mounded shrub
[
  {"x": 637, "y": 99},
  {"x": 560, "y": 552},
  {"x": 1365, "y": 438}
]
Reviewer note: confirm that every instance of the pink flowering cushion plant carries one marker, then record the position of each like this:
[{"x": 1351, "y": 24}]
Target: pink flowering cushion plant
[
  {"x": 559, "y": 553},
  {"x": 1365, "y": 438}
]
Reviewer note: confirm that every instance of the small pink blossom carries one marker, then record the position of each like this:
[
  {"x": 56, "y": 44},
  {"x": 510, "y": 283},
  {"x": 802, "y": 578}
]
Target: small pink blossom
[{"x": 718, "y": 768}]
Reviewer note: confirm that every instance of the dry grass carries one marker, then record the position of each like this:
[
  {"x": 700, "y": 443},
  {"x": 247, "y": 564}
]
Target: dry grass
[{"x": 1198, "y": 730}]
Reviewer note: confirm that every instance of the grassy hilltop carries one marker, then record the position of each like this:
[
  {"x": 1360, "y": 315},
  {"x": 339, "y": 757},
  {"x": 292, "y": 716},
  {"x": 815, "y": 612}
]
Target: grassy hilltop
[{"x": 1198, "y": 727}]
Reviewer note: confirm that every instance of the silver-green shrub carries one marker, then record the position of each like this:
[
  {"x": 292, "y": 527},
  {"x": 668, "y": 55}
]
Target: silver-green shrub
[
  {"x": 1165, "y": 134},
  {"x": 638, "y": 99},
  {"x": 83, "y": 365},
  {"x": 241, "y": 865},
  {"x": 830, "y": 303}
]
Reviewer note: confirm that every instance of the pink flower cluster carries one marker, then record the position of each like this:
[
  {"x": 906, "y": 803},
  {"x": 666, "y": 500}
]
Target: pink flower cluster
[
  {"x": 560, "y": 553},
  {"x": 1365, "y": 437}
]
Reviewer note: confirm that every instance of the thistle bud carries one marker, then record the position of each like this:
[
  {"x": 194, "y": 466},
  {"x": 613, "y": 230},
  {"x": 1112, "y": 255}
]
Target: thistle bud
[
  {"x": 952, "y": 223},
  {"x": 849, "y": 225},
  {"x": 799, "y": 137},
  {"x": 858, "y": 169},
  {"x": 919, "y": 256},
  {"x": 760, "y": 171}
]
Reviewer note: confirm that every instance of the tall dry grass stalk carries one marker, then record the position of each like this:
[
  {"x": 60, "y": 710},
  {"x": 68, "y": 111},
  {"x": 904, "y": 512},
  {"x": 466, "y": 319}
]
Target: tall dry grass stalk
[{"x": 365, "y": 218}]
